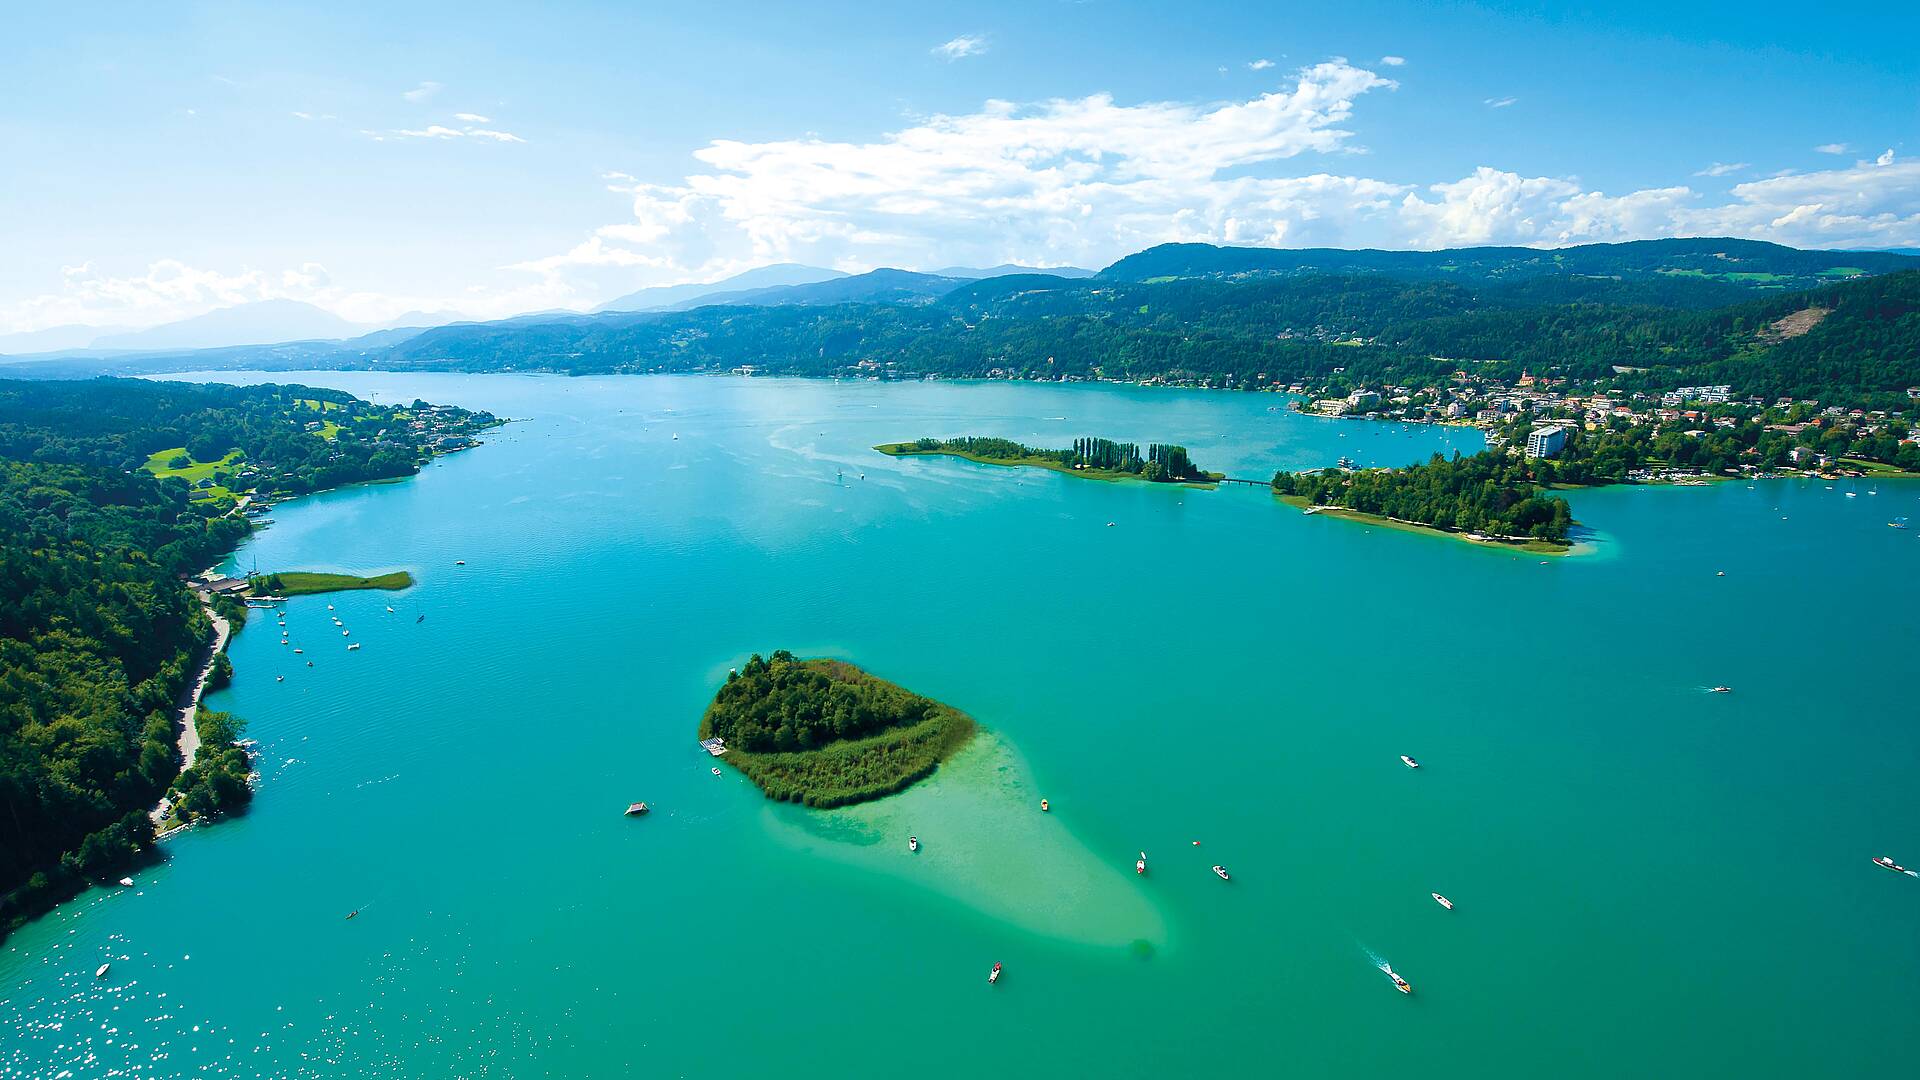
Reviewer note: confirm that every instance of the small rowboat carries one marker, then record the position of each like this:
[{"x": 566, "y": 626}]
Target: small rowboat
[
  {"x": 992, "y": 976},
  {"x": 1443, "y": 901},
  {"x": 1222, "y": 871},
  {"x": 636, "y": 809}
]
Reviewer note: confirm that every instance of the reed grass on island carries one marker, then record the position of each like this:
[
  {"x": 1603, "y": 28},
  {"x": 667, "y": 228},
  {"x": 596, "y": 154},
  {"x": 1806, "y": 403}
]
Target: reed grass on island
[
  {"x": 304, "y": 583},
  {"x": 824, "y": 733}
]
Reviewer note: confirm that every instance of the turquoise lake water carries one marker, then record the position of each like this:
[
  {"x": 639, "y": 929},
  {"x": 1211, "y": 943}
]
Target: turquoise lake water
[{"x": 1650, "y": 879}]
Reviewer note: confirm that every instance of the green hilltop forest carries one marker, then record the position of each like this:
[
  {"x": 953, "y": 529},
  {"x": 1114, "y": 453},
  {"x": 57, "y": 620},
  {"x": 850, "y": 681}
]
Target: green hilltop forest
[
  {"x": 99, "y": 636},
  {"x": 824, "y": 733},
  {"x": 1266, "y": 329}
]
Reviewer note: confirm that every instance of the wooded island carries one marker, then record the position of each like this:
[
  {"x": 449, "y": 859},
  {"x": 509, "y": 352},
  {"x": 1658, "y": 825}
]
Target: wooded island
[
  {"x": 1100, "y": 459},
  {"x": 825, "y": 733}
]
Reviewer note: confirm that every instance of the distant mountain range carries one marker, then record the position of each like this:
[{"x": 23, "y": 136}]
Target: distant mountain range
[
  {"x": 1176, "y": 309},
  {"x": 1740, "y": 262},
  {"x": 763, "y": 277},
  {"x": 264, "y": 322},
  {"x": 792, "y": 283}
]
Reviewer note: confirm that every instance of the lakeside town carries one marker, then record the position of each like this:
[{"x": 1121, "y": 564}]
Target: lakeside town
[{"x": 1694, "y": 432}]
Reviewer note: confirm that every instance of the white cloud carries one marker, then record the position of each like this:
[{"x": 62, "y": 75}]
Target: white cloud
[
  {"x": 1499, "y": 103},
  {"x": 168, "y": 290},
  {"x": 422, "y": 92},
  {"x": 1723, "y": 169},
  {"x": 1259, "y": 65},
  {"x": 1832, "y": 148},
  {"x": 1886, "y": 157},
  {"x": 1087, "y": 180},
  {"x": 962, "y": 46},
  {"x": 1392, "y": 61},
  {"x": 1070, "y": 179},
  {"x": 431, "y": 131},
  {"x": 472, "y": 118},
  {"x": 443, "y": 132}
]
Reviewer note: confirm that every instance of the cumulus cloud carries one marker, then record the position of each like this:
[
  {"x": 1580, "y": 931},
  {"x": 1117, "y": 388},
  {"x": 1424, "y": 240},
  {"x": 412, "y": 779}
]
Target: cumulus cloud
[
  {"x": 1086, "y": 180},
  {"x": 1068, "y": 179},
  {"x": 963, "y": 46},
  {"x": 1259, "y": 65},
  {"x": 422, "y": 92},
  {"x": 1393, "y": 61},
  {"x": 1723, "y": 169}
]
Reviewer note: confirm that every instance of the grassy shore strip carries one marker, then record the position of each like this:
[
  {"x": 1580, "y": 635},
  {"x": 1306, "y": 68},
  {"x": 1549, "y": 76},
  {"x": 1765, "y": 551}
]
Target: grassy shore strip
[
  {"x": 854, "y": 770},
  {"x": 305, "y": 583},
  {"x": 1537, "y": 547},
  {"x": 908, "y": 449}
]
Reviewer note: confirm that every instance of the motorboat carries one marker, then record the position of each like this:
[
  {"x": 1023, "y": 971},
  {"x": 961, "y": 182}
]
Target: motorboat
[
  {"x": 279, "y": 678},
  {"x": 636, "y": 809},
  {"x": 1222, "y": 872},
  {"x": 1399, "y": 983},
  {"x": 389, "y": 609},
  {"x": 913, "y": 843},
  {"x": 1043, "y": 806},
  {"x": 1141, "y": 866},
  {"x": 1882, "y": 860},
  {"x": 421, "y": 619},
  {"x": 127, "y": 881},
  {"x": 1721, "y": 690},
  {"x": 101, "y": 972},
  {"x": 1443, "y": 901},
  {"x": 992, "y": 976},
  {"x": 353, "y": 647},
  {"x": 1409, "y": 762},
  {"x": 716, "y": 772}
]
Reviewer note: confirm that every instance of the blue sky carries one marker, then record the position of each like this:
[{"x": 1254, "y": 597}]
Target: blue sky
[{"x": 158, "y": 160}]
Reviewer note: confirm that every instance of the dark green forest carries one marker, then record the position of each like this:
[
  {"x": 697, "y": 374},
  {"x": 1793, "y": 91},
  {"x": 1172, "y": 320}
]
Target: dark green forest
[
  {"x": 1487, "y": 493},
  {"x": 1325, "y": 329},
  {"x": 99, "y": 636}
]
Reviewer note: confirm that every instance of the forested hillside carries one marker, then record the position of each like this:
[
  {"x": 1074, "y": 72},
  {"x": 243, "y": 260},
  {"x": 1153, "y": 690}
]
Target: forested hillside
[
  {"x": 98, "y": 634},
  {"x": 1354, "y": 329}
]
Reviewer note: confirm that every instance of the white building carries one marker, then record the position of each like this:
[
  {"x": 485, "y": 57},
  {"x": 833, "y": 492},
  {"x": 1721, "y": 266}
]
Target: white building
[{"x": 1546, "y": 441}]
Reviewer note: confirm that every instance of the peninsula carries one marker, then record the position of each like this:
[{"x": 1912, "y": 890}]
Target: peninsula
[
  {"x": 1098, "y": 459},
  {"x": 825, "y": 733},
  {"x": 307, "y": 583}
]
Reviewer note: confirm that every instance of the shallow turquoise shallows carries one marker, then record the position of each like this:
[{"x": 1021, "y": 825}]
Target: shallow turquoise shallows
[{"x": 1649, "y": 879}]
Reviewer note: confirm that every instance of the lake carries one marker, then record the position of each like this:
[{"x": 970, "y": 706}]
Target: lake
[{"x": 1649, "y": 879}]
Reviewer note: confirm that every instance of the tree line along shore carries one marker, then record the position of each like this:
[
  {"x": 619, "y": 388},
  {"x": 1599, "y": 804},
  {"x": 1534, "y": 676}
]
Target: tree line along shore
[{"x": 102, "y": 529}]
